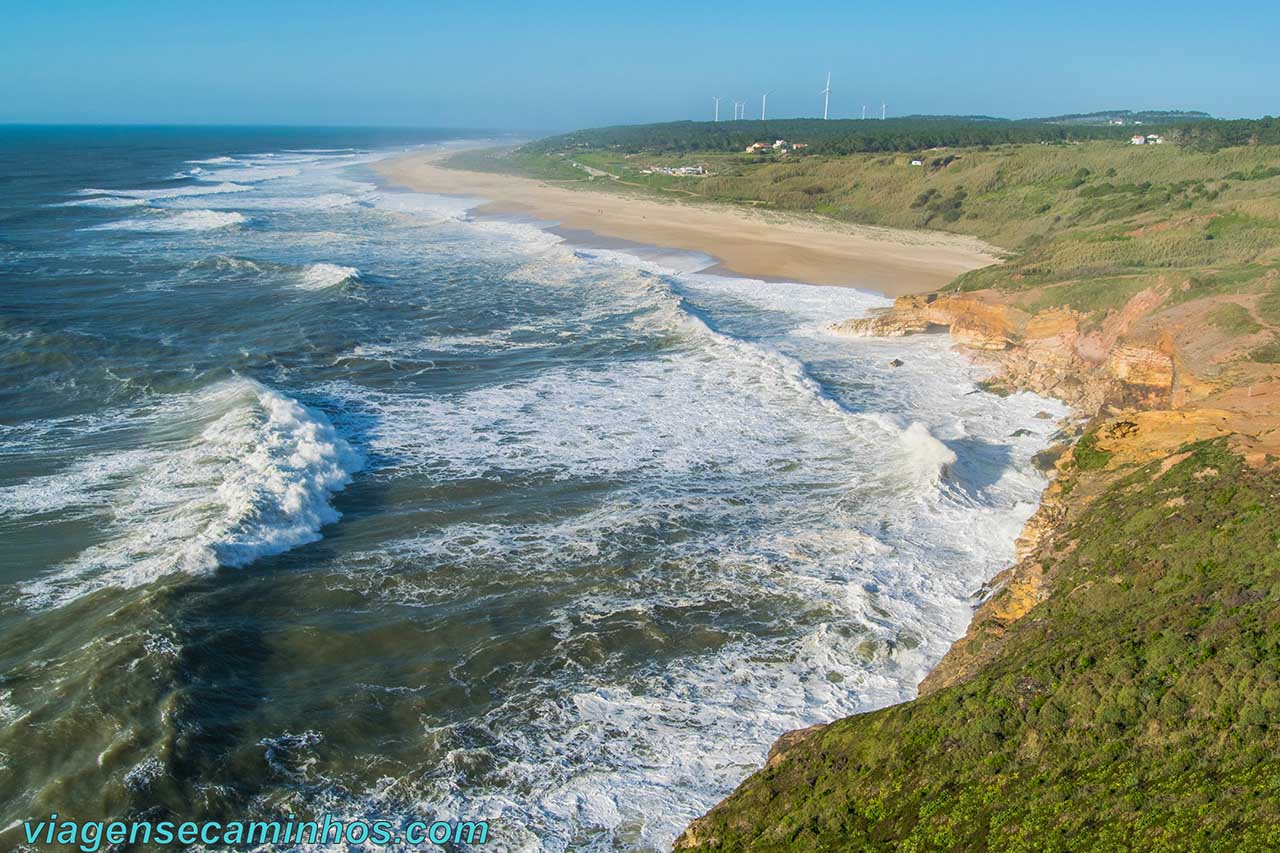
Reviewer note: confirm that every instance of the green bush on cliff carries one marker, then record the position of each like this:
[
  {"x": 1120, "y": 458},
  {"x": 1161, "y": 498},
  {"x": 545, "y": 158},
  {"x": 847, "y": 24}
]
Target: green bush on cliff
[
  {"x": 1087, "y": 455},
  {"x": 1138, "y": 707}
]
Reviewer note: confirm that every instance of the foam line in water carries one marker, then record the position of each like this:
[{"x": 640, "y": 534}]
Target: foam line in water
[
  {"x": 248, "y": 175},
  {"x": 186, "y": 220},
  {"x": 169, "y": 192}
]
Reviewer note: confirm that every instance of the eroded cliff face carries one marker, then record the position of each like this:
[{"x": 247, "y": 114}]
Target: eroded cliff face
[
  {"x": 1056, "y": 352},
  {"x": 1126, "y": 374},
  {"x": 1121, "y": 442},
  {"x": 1127, "y": 379}
]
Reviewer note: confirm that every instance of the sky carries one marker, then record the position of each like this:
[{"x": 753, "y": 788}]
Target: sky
[{"x": 551, "y": 65}]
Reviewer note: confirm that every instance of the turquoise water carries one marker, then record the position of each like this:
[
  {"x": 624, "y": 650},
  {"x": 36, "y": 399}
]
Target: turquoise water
[{"x": 317, "y": 495}]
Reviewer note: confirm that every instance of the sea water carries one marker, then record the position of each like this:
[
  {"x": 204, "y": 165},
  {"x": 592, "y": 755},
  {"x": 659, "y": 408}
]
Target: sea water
[{"x": 318, "y": 496}]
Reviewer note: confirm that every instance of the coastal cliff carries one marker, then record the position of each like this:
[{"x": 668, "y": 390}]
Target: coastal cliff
[
  {"x": 1153, "y": 400},
  {"x": 1160, "y": 456},
  {"x": 1119, "y": 685}
]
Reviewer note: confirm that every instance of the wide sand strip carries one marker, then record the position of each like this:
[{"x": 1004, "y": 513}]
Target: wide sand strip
[{"x": 746, "y": 242}]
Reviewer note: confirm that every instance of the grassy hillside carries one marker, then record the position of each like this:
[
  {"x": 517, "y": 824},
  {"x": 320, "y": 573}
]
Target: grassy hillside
[
  {"x": 1085, "y": 226},
  {"x": 1131, "y": 701},
  {"x": 1137, "y": 708}
]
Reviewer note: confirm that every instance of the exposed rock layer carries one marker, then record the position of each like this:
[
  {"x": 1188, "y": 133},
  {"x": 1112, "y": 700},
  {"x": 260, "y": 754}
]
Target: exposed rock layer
[{"x": 1127, "y": 377}]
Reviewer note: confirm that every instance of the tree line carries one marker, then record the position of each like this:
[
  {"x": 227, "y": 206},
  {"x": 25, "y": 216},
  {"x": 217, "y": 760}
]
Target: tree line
[{"x": 910, "y": 133}]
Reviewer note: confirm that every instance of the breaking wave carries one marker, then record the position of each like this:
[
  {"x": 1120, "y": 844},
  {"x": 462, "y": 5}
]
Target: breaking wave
[
  {"x": 325, "y": 276},
  {"x": 255, "y": 479},
  {"x": 168, "y": 192},
  {"x": 186, "y": 220}
]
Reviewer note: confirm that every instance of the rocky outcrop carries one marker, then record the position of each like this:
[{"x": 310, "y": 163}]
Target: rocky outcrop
[
  {"x": 972, "y": 322},
  {"x": 1125, "y": 373},
  {"x": 1008, "y": 597},
  {"x": 1114, "y": 362},
  {"x": 1142, "y": 366},
  {"x": 1128, "y": 439},
  {"x": 908, "y": 316},
  {"x": 1049, "y": 352}
]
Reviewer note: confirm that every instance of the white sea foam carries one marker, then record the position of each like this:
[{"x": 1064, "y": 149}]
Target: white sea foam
[
  {"x": 427, "y": 207},
  {"x": 930, "y": 455},
  {"x": 764, "y": 468},
  {"x": 324, "y": 276},
  {"x": 185, "y": 220},
  {"x": 255, "y": 479},
  {"x": 87, "y": 484},
  {"x": 103, "y": 201},
  {"x": 249, "y": 174},
  {"x": 169, "y": 192},
  {"x": 325, "y": 201}
]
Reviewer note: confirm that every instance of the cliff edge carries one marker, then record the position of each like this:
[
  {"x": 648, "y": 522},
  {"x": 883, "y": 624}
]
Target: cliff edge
[{"x": 1124, "y": 671}]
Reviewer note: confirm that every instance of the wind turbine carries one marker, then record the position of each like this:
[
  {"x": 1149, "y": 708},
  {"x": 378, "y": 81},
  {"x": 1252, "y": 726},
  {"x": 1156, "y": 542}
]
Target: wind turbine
[
  {"x": 826, "y": 97},
  {"x": 864, "y": 112},
  {"x": 764, "y": 99},
  {"x": 717, "y": 100},
  {"x": 739, "y": 110},
  {"x": 883, "y": 107}
]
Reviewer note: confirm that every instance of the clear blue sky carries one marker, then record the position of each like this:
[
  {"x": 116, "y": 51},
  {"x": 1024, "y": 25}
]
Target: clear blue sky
[{"x": 554, "y": 65}]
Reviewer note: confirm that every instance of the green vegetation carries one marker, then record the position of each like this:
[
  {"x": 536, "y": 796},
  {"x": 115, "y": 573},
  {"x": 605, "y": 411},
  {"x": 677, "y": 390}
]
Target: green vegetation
[
  {"x": 1269, "y": 307},
  {"x": 1138, "y": 705},
  {"x": 523, "y": 162},
  {"x": 1159, "y": 117},
  {"x": 1085, "y": 225},
  {"x": 1234, "y": 319},
  {"x": 1137, "y": 708},
  {"x": 911, "y": 133},
  {"x": 908, "y": 133},
  {"x": 1268, "y": 353},
  {"x": 1087, "y": 454}
]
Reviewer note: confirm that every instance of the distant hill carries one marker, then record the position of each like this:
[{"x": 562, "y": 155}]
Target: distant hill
[
  {"x": 911, "y": 133},
  {"x": 1126, "y": 117}
]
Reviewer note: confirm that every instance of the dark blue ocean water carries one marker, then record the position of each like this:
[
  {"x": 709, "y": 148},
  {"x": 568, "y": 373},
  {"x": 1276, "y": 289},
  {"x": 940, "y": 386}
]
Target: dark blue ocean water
[{"x": 317, "y": 494}]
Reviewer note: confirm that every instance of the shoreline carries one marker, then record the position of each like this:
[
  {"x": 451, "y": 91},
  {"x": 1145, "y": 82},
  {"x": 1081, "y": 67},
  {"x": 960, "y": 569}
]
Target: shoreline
[
  {"x": 740, "y": 242},
  {"x": 896, "y": 257}
]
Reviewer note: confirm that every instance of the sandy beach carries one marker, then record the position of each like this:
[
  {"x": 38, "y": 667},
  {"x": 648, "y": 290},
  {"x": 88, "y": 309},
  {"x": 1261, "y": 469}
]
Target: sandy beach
[{"x": 745, "y": 242}]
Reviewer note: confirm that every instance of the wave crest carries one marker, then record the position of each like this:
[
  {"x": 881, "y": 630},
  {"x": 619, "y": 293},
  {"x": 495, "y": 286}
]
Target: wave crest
[
  {"x": 324, "y": 276},
  {"x": 255, "y": 480},
  {"x": 187, "y": 220}
]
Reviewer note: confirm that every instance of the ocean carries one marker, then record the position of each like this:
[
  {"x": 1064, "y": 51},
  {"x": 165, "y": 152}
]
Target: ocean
[{"x": 319, "y": 496}]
